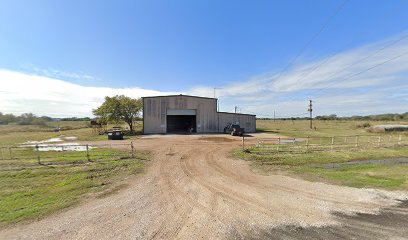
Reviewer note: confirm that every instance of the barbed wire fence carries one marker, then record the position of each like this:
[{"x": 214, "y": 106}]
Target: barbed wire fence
[
  {"x": 62, "y": 154},
  {"x": 320, "y": 144}
]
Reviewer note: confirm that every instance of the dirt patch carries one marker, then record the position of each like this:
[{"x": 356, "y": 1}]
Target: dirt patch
[
  {"x": 218, "y": 139},
  {"x": 112, "y": 190}
]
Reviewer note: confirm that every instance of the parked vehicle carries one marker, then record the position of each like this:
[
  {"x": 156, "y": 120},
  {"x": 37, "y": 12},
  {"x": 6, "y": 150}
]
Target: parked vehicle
[
  {"x": 115, "y": 135},
  {"x": 234, "y": 130}
]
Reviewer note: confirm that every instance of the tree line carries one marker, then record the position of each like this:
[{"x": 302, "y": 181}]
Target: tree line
[
  {"x": 378, "y": 117},
  {"x": 115, "y": 109},
  {"x": 32, "y": 119},
  {"x": 24, "y": 119}
]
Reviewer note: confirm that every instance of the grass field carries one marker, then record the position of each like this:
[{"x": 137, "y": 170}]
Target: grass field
[
  {"x": 310, "y": 165},
  {"x": 11, "y": 135},
  {"x": 30, "y": 190},
  {"x": 301, "y": 128}
]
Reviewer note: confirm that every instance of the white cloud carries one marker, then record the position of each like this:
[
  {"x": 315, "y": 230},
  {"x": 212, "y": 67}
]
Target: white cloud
[
  {"x": 41, "y": 95},
  {"x": 339, "y": 84}
]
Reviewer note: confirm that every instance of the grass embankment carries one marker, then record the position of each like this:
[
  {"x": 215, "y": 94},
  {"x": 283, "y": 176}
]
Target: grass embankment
[
  {"x": 313, "y": 165},
  {"x": 27, "y": 193}
]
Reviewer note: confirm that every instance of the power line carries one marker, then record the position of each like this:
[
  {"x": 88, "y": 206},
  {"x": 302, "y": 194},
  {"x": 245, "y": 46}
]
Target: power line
[
  {"x": 363, "y": 71},
  {"x": 336, "y": 52},
  {"x": 364, "y": 58},
  {"x": 314, "y": 37}
]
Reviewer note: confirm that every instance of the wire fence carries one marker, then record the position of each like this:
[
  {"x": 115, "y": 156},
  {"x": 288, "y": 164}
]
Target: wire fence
[
  {"x": 60, "y": 154},
  {"x": 335, "y": 143}
]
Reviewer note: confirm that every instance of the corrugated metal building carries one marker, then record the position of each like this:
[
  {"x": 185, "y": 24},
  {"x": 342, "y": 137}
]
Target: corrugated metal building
[{"x": 183, "y": 113}]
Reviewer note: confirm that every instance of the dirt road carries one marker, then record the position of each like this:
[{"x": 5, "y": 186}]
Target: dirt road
[{"x": 193, "y": 189}]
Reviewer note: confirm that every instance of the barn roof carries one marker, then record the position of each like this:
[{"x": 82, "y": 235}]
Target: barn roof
[{"x": 179, "y": 95}]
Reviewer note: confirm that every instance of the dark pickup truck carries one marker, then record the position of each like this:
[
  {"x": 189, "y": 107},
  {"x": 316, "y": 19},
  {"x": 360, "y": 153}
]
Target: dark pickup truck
[{"x": 234, "y": 130}]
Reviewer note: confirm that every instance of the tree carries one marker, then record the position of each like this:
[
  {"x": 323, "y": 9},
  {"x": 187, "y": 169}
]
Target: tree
[
  {"x": 119, "y": 108},
  {"x": 26, "y": 118}
]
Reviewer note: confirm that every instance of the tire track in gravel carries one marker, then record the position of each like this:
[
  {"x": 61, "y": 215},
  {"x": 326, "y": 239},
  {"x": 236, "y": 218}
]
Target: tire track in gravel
[
  {"x": 169, "y": 193},
  {"x": 328, "y": 197}
]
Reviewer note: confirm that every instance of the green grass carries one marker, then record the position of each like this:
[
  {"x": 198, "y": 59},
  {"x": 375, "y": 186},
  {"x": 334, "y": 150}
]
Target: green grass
[
  {"x": 30, "y": 190},
  {"x": 310, "y": 165},
  {"x": 367, "y": 175},
  {"x": 27, "y": 193}
]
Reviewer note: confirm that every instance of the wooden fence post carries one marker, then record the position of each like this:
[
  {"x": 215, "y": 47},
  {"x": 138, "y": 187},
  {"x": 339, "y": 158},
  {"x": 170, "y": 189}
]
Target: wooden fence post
[
  {"x": 356, "y": 141},
  {"x": 399, "y": 140},
  {"x": 131, "y": 145},
  {"x": 87, "y": 153},
  {"x": 277, "y": 148},
  {"x": 38, "y": 154},
  {"x": 379, "y": 141},
  {"x": 307, "y": 144}
]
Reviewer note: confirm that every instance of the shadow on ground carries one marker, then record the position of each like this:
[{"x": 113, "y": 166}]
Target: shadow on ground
[{"x": 391, "y": 223}]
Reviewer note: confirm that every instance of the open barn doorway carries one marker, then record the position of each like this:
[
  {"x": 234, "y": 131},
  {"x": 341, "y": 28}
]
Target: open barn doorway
[
  {"x": 181, "y": 124},
  {"x": 181, "y": 121}
]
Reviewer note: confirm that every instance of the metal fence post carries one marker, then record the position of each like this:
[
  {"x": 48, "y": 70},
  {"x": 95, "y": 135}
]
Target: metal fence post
[
  {"x": 356, "y": 141},
  {"x": 38, "y": 154},
  {"x": 87, "y": 153},
  {"x": 243, "y": 143},
  {"x": 131, "y": 146}
]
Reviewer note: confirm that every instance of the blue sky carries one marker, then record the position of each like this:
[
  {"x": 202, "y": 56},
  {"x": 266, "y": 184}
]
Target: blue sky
[{"x": 257, "y": 52}]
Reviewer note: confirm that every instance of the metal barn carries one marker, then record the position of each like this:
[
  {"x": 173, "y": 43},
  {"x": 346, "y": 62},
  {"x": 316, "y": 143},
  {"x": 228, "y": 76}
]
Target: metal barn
[{"x": 184, "y": 114}]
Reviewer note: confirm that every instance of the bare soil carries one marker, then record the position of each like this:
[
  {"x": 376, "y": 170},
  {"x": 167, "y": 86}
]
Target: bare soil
[{"x": 192, "y": 189}]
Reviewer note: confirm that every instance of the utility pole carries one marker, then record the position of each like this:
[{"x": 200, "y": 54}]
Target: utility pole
[
  {"x": 274, "y": 115},
  {"x": 236, "y": 109},
  {"x": 310, "y": 110}
]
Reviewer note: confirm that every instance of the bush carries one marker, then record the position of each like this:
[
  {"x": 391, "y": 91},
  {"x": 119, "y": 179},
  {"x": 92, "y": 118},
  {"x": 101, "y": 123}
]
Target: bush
[{"x": 364, "y": 125}]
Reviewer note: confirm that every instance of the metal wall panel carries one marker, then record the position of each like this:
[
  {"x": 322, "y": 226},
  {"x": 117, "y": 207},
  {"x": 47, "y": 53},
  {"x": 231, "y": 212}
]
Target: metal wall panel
[
  {"x": 189, "y": 112},
  {"x": 245, "y": 121},
  {"x": 155, "y": 110}
]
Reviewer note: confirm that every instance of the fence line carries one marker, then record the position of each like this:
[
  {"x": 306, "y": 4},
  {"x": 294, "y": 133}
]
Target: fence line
[
  {"x": 51, "y": 154},
  {"x": 334, "y": 143}
]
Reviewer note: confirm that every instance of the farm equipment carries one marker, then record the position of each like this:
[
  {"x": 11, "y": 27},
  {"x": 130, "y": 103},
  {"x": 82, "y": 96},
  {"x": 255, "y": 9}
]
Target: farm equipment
[{"x": 234, "y": 130}]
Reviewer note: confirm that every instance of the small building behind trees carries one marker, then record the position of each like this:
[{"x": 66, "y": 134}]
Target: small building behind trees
[{"x": 184, "y": 114}]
